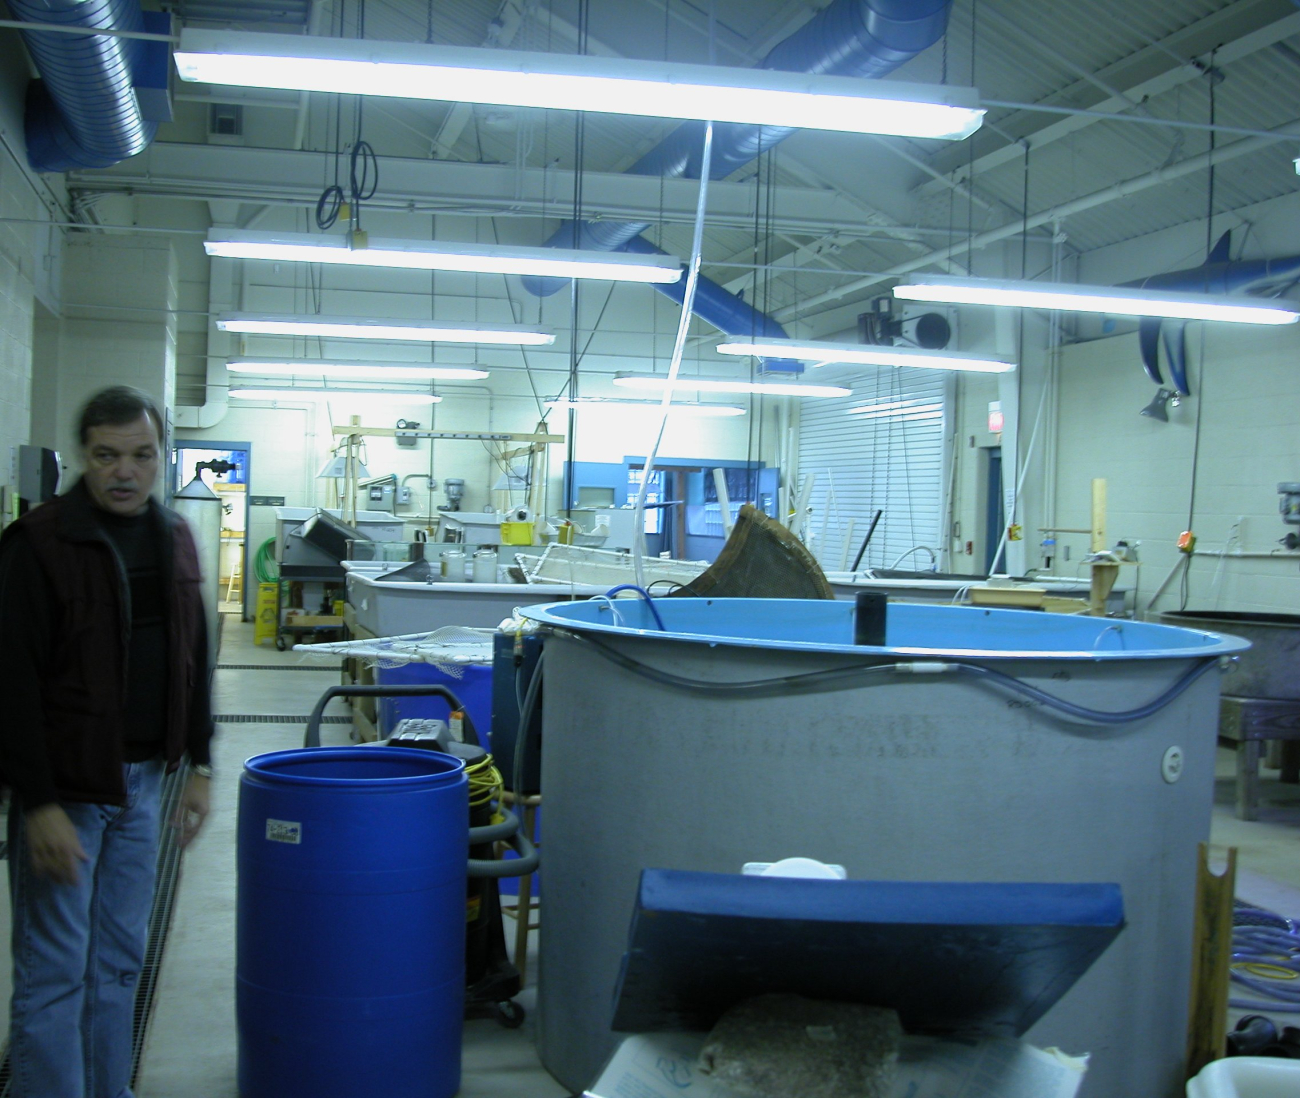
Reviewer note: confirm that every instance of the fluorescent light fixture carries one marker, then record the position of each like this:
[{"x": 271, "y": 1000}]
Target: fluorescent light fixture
[
  {"x": 648, "y": 405},
  {"x": 1114, "y": 300},
  {"x": 424, "y": 256},
  {"x": 657, "y": 89},
  {"x": 359, "y": 327},
  {"x": 353, "y": 371},
  {"x": 719, "y": 385},
  {"x": 858, "y": 354},
  {"x": 319, "y": 393},
  {"x": 898, "y": 409}
]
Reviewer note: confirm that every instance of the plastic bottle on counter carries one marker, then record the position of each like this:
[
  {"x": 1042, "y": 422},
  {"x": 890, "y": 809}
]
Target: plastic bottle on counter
[
  {"x": 485, "y": 566},
  {"x": 453, "y": 566}
]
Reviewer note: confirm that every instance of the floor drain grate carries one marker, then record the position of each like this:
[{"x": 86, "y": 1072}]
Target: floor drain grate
[
  {"x": 274, "y": 718},
  {"x": 160, "y": 917}
]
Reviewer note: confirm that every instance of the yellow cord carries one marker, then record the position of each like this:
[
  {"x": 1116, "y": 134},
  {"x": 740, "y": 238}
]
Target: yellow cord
[
  {"x": 1268, "y": 972},
  {"x": 485, "y": 783}
]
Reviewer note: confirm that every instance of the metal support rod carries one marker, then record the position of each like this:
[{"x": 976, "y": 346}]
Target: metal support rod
[
  {"x": 65, "y": 28},
  {"x": 1135, "y": 119}
]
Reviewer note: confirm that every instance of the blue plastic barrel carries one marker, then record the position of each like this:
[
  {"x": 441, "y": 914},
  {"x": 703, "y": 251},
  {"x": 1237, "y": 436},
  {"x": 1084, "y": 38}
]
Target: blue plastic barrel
[
  {"x": 472, "y": 685},
  {"x": 350, "y": 951}
]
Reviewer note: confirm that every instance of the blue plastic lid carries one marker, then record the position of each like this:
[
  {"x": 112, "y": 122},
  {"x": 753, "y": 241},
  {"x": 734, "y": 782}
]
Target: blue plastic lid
[{"x": 358, "y": 768}]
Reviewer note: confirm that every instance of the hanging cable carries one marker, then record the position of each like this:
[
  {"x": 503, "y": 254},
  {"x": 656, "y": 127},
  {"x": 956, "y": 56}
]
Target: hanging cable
[
  {"x": 674, "y": 367},
  {"x": 1212, "y": 75},
  {"x": 363, "y": 165}
]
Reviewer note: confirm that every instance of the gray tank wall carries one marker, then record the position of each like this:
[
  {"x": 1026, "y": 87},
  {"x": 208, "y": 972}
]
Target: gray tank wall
[{"x": 921, "y": 779}]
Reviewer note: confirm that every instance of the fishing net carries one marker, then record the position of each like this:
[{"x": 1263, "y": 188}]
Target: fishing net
[{"x": 450, "y": 649}]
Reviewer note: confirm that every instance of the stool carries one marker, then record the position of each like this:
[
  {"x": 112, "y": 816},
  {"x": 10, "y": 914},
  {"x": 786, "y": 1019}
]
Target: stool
[
  {"x": 522, "y": 910},
  {"x": 1249, "y": 722}
]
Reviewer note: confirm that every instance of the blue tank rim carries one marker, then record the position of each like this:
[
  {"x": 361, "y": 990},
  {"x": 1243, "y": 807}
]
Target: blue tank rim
[
  {"x": 1181, "y": 643},
  {"x": 447, "y": 771}
]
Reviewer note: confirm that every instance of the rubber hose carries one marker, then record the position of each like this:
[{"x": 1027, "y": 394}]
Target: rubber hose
[
  {"x": 843, "y": 678},
  {"x": 527, "y": 862}
]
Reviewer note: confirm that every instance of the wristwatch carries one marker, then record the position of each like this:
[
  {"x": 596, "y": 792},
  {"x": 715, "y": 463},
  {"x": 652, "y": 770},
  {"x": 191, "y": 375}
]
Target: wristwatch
[{"x": 203, "y": 770}]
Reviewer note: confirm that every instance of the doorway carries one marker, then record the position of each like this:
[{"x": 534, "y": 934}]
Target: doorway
[
  {"x": 233, "y": 582},
  {"x": 995, "y": 516}
]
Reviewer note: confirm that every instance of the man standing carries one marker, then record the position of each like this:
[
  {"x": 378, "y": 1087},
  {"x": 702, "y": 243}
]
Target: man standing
[{"x": 103, "y": 641}]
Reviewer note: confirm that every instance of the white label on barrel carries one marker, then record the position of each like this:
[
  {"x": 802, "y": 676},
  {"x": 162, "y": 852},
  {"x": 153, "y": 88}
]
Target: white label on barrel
[{"x": 283, "y": 831}]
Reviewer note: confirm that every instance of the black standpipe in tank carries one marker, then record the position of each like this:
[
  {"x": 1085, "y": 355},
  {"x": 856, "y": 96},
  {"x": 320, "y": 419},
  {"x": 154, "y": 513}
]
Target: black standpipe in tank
[{"x": 869, "y": 619}]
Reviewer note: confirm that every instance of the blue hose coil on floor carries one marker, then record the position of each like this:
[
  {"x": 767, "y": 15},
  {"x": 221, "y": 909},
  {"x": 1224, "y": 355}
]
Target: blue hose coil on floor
[{"x": 350, "y": 951}]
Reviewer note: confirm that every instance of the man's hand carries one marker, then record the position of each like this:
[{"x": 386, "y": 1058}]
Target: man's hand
[
  {"x": 52, "y": 840},
  {"x": 193, "y": 809}
]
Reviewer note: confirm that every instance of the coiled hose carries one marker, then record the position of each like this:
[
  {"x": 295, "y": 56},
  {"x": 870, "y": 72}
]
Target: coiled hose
[
  {"x": 265, "y": 567},
  {"x": 1266, "y": 960}
]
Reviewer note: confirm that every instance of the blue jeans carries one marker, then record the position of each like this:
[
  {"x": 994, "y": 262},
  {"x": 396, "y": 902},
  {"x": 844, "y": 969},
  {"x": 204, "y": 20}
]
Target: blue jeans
[{"x": 78, "y": 949}]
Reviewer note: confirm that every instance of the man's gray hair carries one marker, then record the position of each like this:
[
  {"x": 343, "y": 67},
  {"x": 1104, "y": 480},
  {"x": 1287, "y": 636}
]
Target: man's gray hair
[{"x": 117, "y": 406}]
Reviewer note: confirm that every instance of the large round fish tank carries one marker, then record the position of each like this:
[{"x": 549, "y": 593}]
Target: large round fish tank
[{"x": 971, "y": 746}]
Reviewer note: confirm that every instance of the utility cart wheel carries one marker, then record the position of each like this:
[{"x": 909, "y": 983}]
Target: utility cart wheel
[
  {"x": 279, "y": 643},
  {"x": 510, "y": 1014}
]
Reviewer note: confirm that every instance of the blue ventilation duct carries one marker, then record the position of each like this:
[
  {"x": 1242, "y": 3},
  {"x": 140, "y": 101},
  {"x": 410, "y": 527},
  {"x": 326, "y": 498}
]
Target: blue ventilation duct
[
  {"x": 724, "y": 310},
  {"x": 864, "y": 38},
  {"x": 84, "y": 111}
]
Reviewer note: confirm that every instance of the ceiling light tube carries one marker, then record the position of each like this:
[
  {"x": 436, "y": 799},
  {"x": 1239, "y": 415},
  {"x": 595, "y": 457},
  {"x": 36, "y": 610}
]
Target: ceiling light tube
[
  {"x": 424, "y": 256},
  {"x": 649, "y": 405},
  {"x": 823, "y": 354},
  {"x": 657, "y": 89},
  {"x": 320, "y": 393},
  {"x": 657, "y": 383},
  {"x": 419, "y": 331},
  {"x": 1112, "y": 300},
  {"x": 353, "y": 371}
]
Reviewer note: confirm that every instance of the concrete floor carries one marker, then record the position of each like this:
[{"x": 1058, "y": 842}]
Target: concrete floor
[{"x": 190, "y": 1050}]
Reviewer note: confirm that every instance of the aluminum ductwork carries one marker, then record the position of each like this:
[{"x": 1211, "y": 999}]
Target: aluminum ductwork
[
  {"x": 84, "y": 111},
  {"x": 865, "y": 38}
]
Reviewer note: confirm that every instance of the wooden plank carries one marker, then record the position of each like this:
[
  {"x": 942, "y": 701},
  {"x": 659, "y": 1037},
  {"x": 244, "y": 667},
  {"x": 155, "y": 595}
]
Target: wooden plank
[
  {"x": 1248, "y": 752},
  {"x": 1098, "y": 514},
  {"x": 1207, "y": 1021},
  {"x": 1259, "y": 718}
]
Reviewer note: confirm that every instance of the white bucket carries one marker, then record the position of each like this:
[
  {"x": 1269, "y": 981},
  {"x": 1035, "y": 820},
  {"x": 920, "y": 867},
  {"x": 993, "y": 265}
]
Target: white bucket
[{"x": 1247, "y": 1077}]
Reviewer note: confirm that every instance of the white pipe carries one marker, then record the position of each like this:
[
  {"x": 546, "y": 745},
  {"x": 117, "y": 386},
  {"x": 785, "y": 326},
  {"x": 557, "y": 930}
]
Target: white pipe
[
  {"x": 800, "y": 516},
  {"x": 724, "y": 500},
  {"x": 1058, "y": 213},
  {"x": 848, "y": 545}
]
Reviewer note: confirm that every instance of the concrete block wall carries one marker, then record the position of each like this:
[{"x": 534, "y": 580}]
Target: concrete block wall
[
  {"x": 1248, "y": 392},
  {"x": 121, "y": 328},
  {"x": 23, "y": 255}
]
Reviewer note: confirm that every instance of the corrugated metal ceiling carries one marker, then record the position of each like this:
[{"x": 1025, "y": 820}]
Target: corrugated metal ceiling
[{"x": 1024, "y": 51}]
